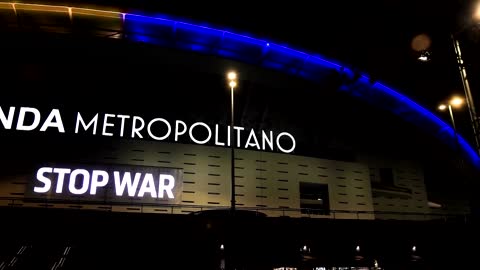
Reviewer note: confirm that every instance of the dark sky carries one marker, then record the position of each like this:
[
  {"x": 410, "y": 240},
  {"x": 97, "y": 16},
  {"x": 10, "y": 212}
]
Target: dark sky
[{"x": 373, "y": 36}]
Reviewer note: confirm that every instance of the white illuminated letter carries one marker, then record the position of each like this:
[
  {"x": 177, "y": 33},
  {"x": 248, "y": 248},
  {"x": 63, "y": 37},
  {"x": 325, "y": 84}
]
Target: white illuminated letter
[
  {"x": 122, "y": 123},
  {"x": 126, "y": 181},
  {"x": 177, "y": 131},
  {"x": 54, "y": 115},
  {"x": 96, "y": 183},
  {"x": 216, "y": 137},
  {"x": 169, "y": 129},
  {"x": 288, "y": 135},
  {"x": 7, "y": 122},
  {"x": 136, "y": 130},
  {"x": 106, "y": 124},
  {"x": 167, "y": 188},
  {"x": 148, "y": 185},
  {"x": 238, "y": 129},
  {"x": 267, "y": 139},
  {"x": 250, "y": 136},
  {"x": 228, "y": 135},
  {"x": 45, "y": 180},
  {"x": 61, "y": 178},
  {"x": 85, "y": 181},
  {"x": 190, "y": 132},
  {"x": 21, "y": 118},
  {"x": 87, "y": 126}
]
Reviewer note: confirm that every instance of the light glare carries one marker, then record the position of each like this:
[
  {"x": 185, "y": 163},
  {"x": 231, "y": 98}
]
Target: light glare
[
  {"x": 233, "y": 84},
  {"x": 456, "y": 101},
  {"x": 232, "y": 75},
  {"x": 442, "y": 107},
  {"x": 476, "y": 14},
  {"x": 423, "y": 58}
]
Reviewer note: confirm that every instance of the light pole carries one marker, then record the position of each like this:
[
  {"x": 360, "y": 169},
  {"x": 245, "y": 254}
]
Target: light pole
[
  {"x": 455, "y": 102},
  {"x": 232, "y": 77},
  {"x": 425, "y": 56},
  {"x": 474, "y": 118}
]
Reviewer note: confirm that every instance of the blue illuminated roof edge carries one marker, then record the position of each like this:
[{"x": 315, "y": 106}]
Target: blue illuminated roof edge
[{"x": 270, "y": 55}]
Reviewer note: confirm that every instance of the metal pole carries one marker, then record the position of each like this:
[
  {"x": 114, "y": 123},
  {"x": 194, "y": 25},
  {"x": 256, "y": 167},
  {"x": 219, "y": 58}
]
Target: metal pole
[
  {"x": 231, "y": 261},
  {"x": 457, "y": 144},
  {"x": 451, "y": 117},
  {"x": 232, "y": 149},
  {"x": 475, "y": 121}
]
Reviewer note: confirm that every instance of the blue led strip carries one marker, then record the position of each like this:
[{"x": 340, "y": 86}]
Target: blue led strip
[{"x": 192, "y": 37}]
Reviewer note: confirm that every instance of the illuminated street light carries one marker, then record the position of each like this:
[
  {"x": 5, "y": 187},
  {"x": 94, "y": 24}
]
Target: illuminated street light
[
  {"x": 421, "y": 43},
  {"x": 232, "y": 77},
  {"x": 476, "y": 14},
  {"x": 424, "y": 56},
  {"x": 455, "y": 102},
  {"x": 475, "y": 120}
]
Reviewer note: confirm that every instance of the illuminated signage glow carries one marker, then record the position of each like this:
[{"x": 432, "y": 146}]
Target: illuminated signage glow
[
  {"x": 109, "y": 182},
  {"x": 98, "y": 179},
  {"x": 158, "y": 129}
]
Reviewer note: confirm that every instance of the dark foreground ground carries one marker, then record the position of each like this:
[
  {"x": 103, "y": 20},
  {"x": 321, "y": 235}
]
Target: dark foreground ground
[{"x": 40, "y": 238}]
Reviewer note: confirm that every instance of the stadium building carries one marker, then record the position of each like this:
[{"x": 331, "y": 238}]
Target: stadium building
[{"x": 110, "y": 117}]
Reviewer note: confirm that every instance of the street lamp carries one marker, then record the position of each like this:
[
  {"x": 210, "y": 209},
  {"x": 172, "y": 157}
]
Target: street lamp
[
  {"x": 468, "y": 94},
  {"x": 232, "y": 83},
  {"x": 454, "y": 102},
  {"x": 475, "y": 120},
  {"x": 476, "y": 14},
  {"x": 421, "y": 44},
  {"x": 232, "y": 77}
]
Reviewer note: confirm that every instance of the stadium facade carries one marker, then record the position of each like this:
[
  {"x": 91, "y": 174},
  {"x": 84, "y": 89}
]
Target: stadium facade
[
  {"x": 113, "y": 112},
  {"x": 270, "y": 177}
]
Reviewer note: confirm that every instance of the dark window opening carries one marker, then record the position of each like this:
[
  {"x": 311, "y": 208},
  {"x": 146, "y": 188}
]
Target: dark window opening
[
  {"x": 314, "y": 199},
  {"x": 387, "y": 181},
  {"x": 386, "y": 176}
]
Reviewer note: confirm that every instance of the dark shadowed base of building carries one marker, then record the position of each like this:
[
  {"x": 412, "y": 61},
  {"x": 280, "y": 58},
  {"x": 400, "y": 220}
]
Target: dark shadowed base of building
[{"x": 73, "y": 239}]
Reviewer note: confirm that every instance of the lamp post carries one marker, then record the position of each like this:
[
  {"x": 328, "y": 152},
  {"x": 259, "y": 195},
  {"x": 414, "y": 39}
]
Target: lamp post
[
  {"x": 474, "y": 118},
  {"x": 455, "y": 102},
  {"x": 232, "y": 77}
]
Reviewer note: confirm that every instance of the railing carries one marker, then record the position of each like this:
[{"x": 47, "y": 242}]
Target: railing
[{"x": 12, "y": 202}]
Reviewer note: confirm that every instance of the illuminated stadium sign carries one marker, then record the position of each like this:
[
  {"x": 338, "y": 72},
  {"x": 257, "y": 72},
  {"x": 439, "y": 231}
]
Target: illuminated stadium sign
[
  {"x": 136, "y": 127},
  {"x": 108, "y": 183}
]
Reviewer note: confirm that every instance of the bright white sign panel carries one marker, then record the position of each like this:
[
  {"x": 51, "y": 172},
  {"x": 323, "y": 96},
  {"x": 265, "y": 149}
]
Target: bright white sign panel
[{"x": 108, "y": 183}]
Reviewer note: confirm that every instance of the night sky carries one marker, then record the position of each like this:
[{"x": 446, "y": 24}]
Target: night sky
[{"x": 374, "y": 37}]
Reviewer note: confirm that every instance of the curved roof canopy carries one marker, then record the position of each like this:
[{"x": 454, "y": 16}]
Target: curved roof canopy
[{"x": 202, "y": 39}]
